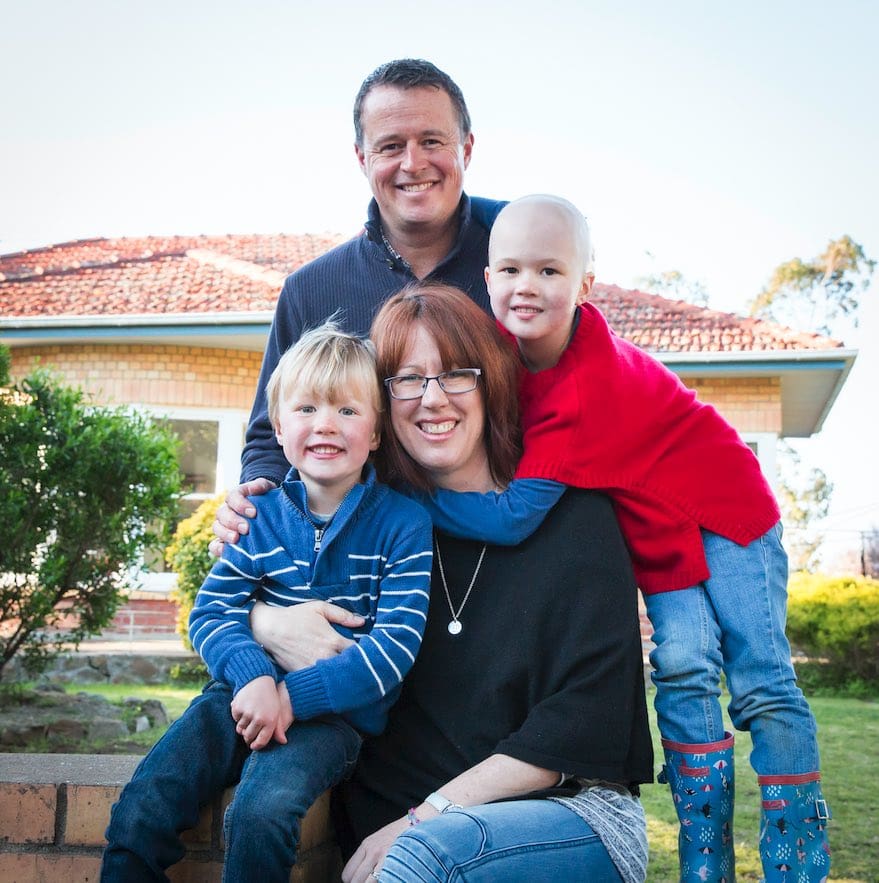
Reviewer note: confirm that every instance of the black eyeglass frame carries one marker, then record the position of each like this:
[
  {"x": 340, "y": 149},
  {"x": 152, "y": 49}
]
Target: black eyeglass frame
[{"x": 425, "y": 379}]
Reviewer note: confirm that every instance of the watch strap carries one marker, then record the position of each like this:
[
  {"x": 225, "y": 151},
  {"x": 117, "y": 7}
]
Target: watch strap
[{"x": 441, "y": 804}]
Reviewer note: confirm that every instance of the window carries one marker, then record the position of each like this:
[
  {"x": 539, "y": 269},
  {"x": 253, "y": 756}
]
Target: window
[
  {"x": 764, "y": 445},
  {"x": 210, "y": 453}
]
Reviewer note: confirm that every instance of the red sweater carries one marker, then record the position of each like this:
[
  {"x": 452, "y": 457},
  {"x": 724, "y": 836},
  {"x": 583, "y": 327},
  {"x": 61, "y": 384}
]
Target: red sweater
[{"x": 611, "y": 417}]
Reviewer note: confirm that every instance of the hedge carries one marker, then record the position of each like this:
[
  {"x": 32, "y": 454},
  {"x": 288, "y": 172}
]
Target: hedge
[
  {"x": 188, "y": 556},
  {"x": 836, "y": 619}
]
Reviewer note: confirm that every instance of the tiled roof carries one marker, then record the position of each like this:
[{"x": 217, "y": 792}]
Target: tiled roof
[
  {"x": 175, "y": 274},
  {"x": 243, "y": 273},
  {"x": 658, "y": 324}
]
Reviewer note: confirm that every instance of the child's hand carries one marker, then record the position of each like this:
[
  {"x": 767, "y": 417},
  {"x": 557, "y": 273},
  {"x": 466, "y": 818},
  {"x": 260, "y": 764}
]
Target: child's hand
[
  {"x": 285, "y": 716},
  {"x": 255, "y": 708}
]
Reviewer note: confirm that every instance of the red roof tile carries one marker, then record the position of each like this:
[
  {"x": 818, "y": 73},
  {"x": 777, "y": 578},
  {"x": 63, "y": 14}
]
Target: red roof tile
[
  {"x": 243, "y": 273},
  {"x": 658, "y": 324}
]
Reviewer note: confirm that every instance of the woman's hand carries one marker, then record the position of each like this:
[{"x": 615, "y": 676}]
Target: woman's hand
[
  {"x": 297, "y": 637},
  {"x": 370, "y": 855},
  {"x": 231, "y": 518}
]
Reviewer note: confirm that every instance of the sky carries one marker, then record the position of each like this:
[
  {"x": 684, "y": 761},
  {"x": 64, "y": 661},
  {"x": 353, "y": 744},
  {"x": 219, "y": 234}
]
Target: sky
[{"x": 715, "y": 139}]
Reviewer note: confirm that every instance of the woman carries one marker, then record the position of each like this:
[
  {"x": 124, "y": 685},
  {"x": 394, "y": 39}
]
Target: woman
[{"x": 520, "y": 738}]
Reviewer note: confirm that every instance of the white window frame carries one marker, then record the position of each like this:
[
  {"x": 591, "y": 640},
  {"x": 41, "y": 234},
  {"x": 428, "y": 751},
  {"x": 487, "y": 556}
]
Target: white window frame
[
  {"x": 766, "y": 444},
  {"x": 231, "y": 423}
]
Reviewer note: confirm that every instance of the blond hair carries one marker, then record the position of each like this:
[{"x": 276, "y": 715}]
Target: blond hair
[{"x": 326, "y": 362}]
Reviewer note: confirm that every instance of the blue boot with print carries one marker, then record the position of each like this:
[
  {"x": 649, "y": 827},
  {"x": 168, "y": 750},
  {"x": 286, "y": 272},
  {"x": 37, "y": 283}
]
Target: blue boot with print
[
  {"x": 793, "y": 829},
  {"x": 702, "y": 784}
]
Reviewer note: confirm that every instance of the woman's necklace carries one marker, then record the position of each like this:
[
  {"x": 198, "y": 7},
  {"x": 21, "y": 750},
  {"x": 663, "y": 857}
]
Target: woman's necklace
[{"x": 454, "y": 625}]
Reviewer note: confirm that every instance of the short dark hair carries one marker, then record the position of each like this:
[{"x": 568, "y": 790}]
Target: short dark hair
[{"x": 410, "y": 73}]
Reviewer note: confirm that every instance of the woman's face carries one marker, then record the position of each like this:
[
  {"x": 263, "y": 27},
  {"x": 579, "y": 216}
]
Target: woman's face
[{"x": 444, "y": 434}]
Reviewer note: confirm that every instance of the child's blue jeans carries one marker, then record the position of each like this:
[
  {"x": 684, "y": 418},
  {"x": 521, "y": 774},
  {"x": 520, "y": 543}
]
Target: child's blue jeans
[
  {"x": 734, "y": 622},
  {"x": 200, "y": 756}
]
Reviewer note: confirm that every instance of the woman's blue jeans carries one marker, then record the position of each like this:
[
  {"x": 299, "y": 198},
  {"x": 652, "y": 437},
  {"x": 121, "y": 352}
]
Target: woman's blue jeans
[
  {"x": 733, "y": 622},
  {"x": 519, "y": 841},
  {"x": 199, "y": 757}
]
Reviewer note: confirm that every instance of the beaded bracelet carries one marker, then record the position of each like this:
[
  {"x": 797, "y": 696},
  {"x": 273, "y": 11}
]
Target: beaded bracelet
[{"x": 413, "y": 819}]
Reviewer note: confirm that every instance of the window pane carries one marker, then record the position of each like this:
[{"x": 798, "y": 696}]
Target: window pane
[{"x": 198, "y": 454}]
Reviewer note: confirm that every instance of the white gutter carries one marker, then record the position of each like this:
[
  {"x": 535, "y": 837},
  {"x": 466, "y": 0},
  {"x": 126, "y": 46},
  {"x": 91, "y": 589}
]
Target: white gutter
[
  {"x": 121, "y": 320},
  {"x": 833, "y": 354}
]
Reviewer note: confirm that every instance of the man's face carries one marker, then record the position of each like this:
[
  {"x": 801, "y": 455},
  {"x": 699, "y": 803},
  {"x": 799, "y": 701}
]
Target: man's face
[{"x": 414, "y": 156}]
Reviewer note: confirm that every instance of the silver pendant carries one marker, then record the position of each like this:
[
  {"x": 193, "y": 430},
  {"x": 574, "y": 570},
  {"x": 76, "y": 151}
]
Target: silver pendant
[{"x": 455, "y": 627}]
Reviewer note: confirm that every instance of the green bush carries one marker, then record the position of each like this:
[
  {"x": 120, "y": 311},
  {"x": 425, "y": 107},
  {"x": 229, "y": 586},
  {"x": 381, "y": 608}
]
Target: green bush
[
  {"x": 188, "y": 556},
  {"x": 84, "y": 491},
  {"x": 836, "y": 619}
]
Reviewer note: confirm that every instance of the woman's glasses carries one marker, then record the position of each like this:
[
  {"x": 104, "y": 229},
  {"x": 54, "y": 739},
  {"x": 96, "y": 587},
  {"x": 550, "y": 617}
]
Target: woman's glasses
[{"x": 413, "y": 386}]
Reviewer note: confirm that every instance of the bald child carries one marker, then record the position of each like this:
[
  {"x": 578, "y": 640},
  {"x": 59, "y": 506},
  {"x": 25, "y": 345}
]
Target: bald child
[{"x": 700, "y": 521}]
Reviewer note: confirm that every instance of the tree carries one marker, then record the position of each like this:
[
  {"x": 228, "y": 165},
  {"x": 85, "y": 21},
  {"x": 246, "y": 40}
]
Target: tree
[
  {"x": 84, "y": 490},
  {"x": 813, "y": 295},
  {"x": 673, "y": 283},
  {"x": 804, "y": 496}
]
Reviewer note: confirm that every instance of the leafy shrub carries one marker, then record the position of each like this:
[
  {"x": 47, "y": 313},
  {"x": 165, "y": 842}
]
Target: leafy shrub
[
  {"x": 188, "y": 673},
  {"x": 837, "y": 619},
  {"x": 188, "y": 556},
  {"x": 84, "y": 491}
]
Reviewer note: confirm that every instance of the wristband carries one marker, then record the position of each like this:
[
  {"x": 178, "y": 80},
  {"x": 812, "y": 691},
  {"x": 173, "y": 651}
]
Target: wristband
[{"x": 441, "y": 804}]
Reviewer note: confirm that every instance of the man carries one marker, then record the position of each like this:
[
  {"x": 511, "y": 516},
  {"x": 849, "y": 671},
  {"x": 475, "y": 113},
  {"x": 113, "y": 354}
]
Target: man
[{"x": 413, "y": 143}]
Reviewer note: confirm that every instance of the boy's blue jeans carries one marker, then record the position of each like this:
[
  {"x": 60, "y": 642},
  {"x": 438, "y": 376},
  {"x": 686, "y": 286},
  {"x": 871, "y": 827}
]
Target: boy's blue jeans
[
  {"x": 200, "y": 756},
  {"x": 734, "y": 622}
]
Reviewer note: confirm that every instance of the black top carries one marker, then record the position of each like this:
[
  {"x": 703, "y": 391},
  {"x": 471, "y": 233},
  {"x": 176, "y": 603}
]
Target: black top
[{"x": 548, "y": 668}]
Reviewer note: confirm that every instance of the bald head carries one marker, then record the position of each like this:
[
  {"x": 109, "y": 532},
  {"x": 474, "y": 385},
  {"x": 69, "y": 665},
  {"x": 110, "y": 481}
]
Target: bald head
[{"x": 557, "y": 217}]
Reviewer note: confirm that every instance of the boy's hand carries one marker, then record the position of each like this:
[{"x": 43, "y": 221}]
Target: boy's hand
[
  {"x": 231, "y": 518},
  {"x": 285, "y": 715},
  {"x": 255, "y": 709}
]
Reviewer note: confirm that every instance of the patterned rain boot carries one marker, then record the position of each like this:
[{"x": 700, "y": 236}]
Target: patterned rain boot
[
  {"x": 793, "y": 829},
  {"x": 702, "y": 784}
]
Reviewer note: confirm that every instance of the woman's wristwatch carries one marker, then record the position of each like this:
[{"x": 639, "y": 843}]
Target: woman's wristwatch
[{"x": 441, "y": 804}]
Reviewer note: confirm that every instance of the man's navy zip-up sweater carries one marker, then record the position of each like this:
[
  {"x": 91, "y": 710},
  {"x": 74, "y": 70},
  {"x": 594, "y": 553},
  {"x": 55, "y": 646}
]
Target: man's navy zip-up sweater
[{"x": 351, "y": 282}]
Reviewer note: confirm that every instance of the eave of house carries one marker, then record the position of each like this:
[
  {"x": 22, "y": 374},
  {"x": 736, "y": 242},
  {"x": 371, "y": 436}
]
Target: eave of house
[
  {"x": 241, "y": 331},
  {"x": 810, "y": 379}
]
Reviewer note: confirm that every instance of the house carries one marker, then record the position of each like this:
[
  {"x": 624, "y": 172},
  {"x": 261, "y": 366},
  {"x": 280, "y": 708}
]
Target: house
[{"x": 176, "y": 325}]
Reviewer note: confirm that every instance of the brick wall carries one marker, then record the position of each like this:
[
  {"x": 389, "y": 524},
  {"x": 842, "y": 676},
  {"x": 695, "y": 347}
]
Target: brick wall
[
  {"x": 223, "y": 378},
  {"x": 750, "y": 404},
  {"x": 153, "y": 375},
  {"x": 142, "y": 615},
  {"x": 54, "y": 809}
]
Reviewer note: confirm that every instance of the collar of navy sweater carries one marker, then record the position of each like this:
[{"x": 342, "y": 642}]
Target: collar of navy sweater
[{"x": 375, "y": 232}]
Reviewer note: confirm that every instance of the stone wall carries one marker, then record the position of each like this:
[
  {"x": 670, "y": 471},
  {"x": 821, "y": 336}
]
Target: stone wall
[{"x": 116, "y": 667}]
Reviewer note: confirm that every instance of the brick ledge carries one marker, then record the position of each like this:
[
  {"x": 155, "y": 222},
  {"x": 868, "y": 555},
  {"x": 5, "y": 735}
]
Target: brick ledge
[{"x": 54, "y": 809}]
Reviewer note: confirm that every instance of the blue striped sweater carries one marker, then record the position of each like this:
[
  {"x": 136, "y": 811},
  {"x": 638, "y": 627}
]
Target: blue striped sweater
[{"x": 374, "y": 558}]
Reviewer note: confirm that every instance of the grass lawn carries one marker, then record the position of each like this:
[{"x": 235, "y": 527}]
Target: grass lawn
[{"x": 848, "y": 734}]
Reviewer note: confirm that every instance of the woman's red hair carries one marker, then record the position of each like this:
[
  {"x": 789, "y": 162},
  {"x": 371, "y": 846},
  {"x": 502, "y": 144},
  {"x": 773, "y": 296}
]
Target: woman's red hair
[{"x": 466, "y": 338}]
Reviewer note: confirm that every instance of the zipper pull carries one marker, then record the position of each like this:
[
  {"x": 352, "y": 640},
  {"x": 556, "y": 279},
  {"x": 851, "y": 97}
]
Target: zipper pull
[{"x": 318, "y": 536}]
